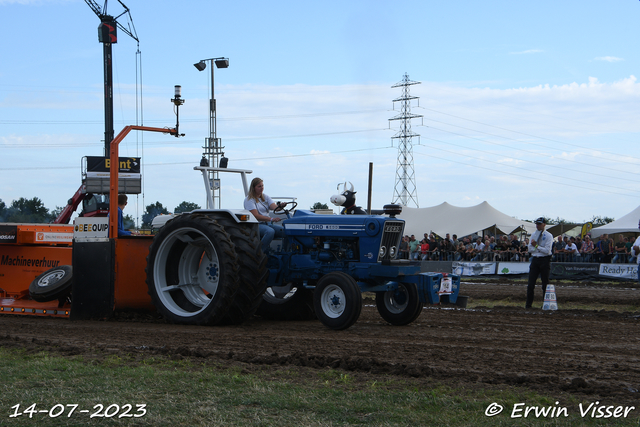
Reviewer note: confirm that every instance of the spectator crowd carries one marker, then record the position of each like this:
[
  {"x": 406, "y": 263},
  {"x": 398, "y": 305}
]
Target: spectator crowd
[{"x": 512, "y": 248}]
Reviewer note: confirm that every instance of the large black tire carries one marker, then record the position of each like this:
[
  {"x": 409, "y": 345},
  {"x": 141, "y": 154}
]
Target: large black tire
[
  {"x": 401, "y": 306},
  {"x": 291, "y": 302},
  {"x": 192, "y": 271},
  {"x": 337, "y": 300},
  {"x": 53, "y": 284},
  {"x": 253, "y": 269}
]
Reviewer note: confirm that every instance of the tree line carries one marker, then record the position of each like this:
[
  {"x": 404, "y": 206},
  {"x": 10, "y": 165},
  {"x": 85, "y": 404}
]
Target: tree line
[{"x": 33, "y": 210}]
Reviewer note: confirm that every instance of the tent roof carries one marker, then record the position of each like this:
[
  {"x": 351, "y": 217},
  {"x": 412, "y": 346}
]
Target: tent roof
[
  {"x": 445, "y": 218},
  {"x": 567, "y": 229},
  {"x": 626, "y": 224}
]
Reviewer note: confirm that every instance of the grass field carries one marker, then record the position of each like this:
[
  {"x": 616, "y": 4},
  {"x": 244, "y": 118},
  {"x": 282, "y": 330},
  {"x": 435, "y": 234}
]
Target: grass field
[{"x": 181, "y": 393}]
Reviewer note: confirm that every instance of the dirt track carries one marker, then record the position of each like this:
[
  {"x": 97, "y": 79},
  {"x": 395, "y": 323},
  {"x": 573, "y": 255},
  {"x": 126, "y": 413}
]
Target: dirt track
[{"x": 594, "y": 355}]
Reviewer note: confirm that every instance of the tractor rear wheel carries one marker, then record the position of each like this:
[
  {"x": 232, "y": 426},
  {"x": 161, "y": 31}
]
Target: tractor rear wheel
[
  {"x": 289, "y": 302},
  {"x": 252, "y": 271},
  {"x": 53, "y": 284},
  {"x": 337, "y": 300},
  {"x": 400, "y": 306},
  {"x": 192, "y": 271}
]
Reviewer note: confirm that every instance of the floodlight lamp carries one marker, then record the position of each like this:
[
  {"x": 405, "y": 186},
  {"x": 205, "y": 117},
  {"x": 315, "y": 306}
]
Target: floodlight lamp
[
  {"x": 224, "y": 161},
  {"x": 222, "y": 63},
  {"x": 200, "y": 65}
]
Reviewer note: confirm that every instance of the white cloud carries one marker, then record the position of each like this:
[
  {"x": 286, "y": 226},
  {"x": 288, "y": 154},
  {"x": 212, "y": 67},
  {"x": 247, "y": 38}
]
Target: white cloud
[{"x": 609, "y": 58}]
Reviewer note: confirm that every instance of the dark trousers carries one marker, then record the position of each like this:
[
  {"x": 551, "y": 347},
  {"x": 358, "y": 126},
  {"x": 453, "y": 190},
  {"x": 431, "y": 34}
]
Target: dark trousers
[{"x": 540, "y": 266}]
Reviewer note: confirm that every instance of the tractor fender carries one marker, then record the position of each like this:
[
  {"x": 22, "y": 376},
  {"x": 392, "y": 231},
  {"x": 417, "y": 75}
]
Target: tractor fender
[{"x": 238, "y": 215}]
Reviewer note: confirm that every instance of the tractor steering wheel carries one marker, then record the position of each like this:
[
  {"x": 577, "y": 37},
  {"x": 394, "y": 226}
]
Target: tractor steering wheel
[{"x": 281, "y": 207}]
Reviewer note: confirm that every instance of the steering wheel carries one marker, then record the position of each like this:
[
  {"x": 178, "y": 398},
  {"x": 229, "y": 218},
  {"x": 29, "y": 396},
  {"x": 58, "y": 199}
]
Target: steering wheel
[{"x": 281, "y": 207}]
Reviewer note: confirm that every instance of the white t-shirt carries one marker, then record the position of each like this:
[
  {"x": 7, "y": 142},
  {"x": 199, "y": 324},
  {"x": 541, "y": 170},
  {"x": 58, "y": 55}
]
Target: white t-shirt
[
  {"x": 571, "y": 248},
  {"x": 261, "y": 206}
]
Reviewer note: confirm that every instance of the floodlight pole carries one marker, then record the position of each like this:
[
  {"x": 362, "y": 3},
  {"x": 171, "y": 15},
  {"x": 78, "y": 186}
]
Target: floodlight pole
[{"x": 213, "y": 147}]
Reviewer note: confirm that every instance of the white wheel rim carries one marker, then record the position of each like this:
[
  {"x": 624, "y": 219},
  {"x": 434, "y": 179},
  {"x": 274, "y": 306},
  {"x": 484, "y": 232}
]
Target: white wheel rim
[
  {"x": 198, "y": 271},
  {"x": 333, "y": 301},
  {"x": 51, "y": 278}
]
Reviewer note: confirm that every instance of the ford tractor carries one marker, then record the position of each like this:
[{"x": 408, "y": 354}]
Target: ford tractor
[{"x": 207, "y": 267}]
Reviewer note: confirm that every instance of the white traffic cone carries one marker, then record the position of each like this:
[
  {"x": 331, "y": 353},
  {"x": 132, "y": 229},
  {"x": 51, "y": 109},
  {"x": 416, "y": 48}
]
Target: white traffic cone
[{"x": 550, "y": 301}]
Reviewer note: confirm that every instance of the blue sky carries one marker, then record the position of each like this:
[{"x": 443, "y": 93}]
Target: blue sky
[{"x": 532, "y": 107}]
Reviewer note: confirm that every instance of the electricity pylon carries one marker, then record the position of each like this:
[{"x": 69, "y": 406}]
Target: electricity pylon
[{"x": 405, "y": 190}]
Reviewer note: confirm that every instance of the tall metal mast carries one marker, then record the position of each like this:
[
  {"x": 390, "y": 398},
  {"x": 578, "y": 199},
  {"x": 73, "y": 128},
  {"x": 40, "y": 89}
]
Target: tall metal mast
[
  {"x": 213, "y": 153},
  {"x": 107, "y": 35},
  {"x": 405, "y": 191}
]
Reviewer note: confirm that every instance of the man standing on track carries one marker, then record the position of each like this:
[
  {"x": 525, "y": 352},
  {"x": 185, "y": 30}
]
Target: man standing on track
[{"x": 540, "y": 250}]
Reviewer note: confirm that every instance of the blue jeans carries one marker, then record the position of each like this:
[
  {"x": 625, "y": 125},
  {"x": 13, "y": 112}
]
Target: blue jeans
[{"x": 267, "y": 233}]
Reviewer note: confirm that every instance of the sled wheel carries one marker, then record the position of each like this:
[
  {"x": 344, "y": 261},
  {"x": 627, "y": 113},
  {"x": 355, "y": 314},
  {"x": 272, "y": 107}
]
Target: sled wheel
[
  {"x": 192, "y": 271},
  {"x": 252, "y": 265},
  {"x": 337, "y": 300},
  {"x": 53, "y": 284},
  {"x": 400, "y": 306},
  {"x": 290, "y": 302}
]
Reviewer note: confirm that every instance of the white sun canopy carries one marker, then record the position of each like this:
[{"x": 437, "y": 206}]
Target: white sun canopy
[
  {"x": 446, "y": 218},
  {"x": 626, "y": 224}
]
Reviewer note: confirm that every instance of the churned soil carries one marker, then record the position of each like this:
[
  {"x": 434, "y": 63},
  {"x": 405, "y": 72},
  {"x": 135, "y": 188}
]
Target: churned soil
[{"x": 589, "y": 354}]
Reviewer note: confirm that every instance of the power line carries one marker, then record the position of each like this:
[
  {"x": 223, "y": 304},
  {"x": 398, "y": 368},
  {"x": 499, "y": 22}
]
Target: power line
[
  {"x": 531, "y": 152},
  {"x": 284, "y": 156},
  {"x": 529, "y": 170},
  {"x": 183, "y": 142},
  {"x": 526, "y": 134},
  {"x": 537, "y": 178}
]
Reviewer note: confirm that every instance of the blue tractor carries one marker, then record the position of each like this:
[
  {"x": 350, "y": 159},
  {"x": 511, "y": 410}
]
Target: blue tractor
[{"x": 207, "y": 267}]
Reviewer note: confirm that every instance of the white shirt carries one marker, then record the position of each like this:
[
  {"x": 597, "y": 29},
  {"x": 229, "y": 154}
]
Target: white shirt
[
  {"x": 544, "y": 240},
  {"x": 571, "y": 247},
  {"x": 260, "y": 205}
]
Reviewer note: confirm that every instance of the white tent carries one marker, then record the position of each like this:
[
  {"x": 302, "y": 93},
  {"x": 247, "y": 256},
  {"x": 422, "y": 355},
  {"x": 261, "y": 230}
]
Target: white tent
[
  {"x": 446, "y": 218},
  {"x": 626, "y": 224}
]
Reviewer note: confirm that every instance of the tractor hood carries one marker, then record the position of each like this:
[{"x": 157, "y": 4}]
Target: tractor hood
[{"x": 307, "y": 223}]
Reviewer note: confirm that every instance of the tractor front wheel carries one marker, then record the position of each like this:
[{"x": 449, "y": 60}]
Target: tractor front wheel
[
  {"x": 400, "y": 306},
  {"x": 337, "y": 300}
]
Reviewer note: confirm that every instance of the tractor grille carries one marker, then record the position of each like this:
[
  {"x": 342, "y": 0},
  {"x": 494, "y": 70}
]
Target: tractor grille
[{"x": 391, "y": 235}]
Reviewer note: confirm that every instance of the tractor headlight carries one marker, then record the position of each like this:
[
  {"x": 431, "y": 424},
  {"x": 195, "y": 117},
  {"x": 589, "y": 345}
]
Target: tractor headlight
[
  {"x": 392, "y": 252},
  {"x": 383, "y": 251}
]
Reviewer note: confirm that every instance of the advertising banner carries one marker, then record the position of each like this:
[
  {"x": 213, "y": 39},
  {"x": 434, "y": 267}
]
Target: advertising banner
[
  {"x": 619, "y": 271},
  {"x": 91, "y": 228},
  {"x": 8, "y": 234},
  {"x": 513, "y": 268},
  {"x": 473, "y": 268},
  {"x": 98, "y": 167},
  {"x": 569, "y": 271}
]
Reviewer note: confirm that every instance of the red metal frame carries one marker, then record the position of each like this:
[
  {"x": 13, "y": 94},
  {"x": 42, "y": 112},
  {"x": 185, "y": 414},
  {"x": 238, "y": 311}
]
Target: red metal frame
[{"x": 115, "y": 168}]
